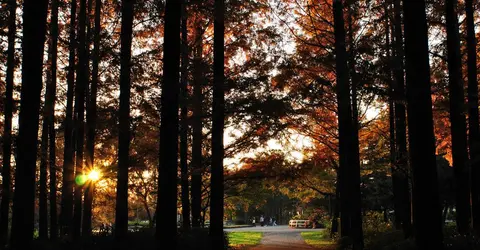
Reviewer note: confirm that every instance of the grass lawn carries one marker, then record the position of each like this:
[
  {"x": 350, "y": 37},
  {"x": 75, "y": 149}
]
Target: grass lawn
[
  {"x": 318, "y": 239},
  {"x": 244, "y": 239}
]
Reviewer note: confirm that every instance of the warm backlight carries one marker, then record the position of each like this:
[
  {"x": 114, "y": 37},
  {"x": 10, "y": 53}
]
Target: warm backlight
[{"x": 94, "y": 175}]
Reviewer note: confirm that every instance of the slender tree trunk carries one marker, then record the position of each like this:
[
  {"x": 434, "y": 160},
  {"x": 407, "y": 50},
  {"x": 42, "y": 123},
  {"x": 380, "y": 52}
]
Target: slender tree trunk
[
  {"x": 53, "y": 182},
  {"x": 218, "y": 123},
  {"x": 348, "y": 145},
  {"x": 166, "y": 226},
  {"x": 88, "y": 41},
  {"x": 42, "y": 197},
  {"x": 474, "y": 132},
  {"x": 7, "y": 132},
  {"x": 336, "y": 208},
  {"x": 391, "y": 117},
  {"x": 401, "y": 165},
  {"x": 51, "y": 131},
  {"x": 149, "y": 214},
  {"x": 34, "y": 29},
  {"x": 82, "y": 81},
  {"x": 121, "y": 215},
  {"x": 87, "y": 210},
  {"x": 426, "y": 206},
  {"x": 457, "y": 120},
  {"x": 68, "y": 152},
  {"x": 184, "y": 122},
  {"x": 92, "y": 121},
  {"x": 197, "y": 125},
  {"x": 48, "y": 110}
]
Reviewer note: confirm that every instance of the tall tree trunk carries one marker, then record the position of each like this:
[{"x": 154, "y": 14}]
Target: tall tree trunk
[
  {"x": 474, "y": 132},
  {"x": 48, "y": 110},
  {"x": 51, "y": 131},
  {"x": 7, "y": 132},
  {"x": 391, "y": 118},
  {"x": 82, "y": 81},
  {"x": 88, "y": 41},
  {"x": 184, "y": 123},
  {"x": 356, "y": 216},
  {"x": 401, "y": 173},
  {"x": 218, "y": 123},
  {"x": 68, "y": 151},
  {"x": 352, "y": 71},
  {"x": 42, "y": 197},
  {"x": 197, "y": 125},
  {"x": 121, "y": 215},
  {"x": 344, "y": 116},
  {"x": 349, "y": 163},
  {"x": 34, "y": 29},
  {"x": 91, "y": 122},
  {"x": 457, "y": 119},
  {"x": 166, "y": 226},
  {"x": 426, "y": 206}
]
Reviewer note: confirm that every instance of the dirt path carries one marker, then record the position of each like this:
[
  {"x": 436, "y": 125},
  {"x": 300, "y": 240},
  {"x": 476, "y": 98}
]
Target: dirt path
[{"x": 279, "y": 238}]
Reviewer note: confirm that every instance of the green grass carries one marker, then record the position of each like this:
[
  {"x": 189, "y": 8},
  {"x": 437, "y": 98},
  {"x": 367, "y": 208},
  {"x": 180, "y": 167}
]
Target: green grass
[
  {"x": 244, "y": 239},
  {"x": 318, "y": 239}
]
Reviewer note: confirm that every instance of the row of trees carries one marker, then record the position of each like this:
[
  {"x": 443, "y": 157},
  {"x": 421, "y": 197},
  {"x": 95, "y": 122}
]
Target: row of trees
[
  {"x": 82, "y": 86},
  {"x": 427, "y": 216},
  {"x": 348, "y": 56}
]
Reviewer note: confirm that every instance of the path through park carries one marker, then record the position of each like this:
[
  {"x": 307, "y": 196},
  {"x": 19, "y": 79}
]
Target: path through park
[{"x": 279, "y": 238}]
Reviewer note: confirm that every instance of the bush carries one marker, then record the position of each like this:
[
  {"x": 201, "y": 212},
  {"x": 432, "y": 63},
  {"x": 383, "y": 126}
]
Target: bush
[
  {"x": 375, "y": 227},
  {"x": 393, "y": 240}
]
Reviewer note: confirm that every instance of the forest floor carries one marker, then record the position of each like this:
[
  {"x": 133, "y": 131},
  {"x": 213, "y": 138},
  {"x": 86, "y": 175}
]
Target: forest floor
[{"x": 281, "y": 238}]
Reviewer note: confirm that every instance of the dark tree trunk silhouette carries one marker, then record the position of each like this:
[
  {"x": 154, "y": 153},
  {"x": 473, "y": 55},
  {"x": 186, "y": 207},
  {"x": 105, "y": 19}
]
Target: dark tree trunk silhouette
[
  {"x": 391, "y": 119},
  {"x": 197, "y": 125},
  {"x": 51, "y": 131},
  {"x": 344, "y": 116},
  {"x": 121, "y": 209},
  {"x": 68, "y": 151},
  {"x": 349, "y": 162},
  {"x": 457, "y": 119},
  {"x": 7, "y": 132},
  {"x": 48, "y": 126},
  {"x": 42, "y": 196},
  {"x": 352, "y": 70},
  {"x": 184, "y": 123},
  {"x": 427, "y": 214},
  {"x": 336, "y": 207},
  {"x": 218, "y": 123},
  {"x": 401, "y": 165},
  {"x": 166, "y": 224},
  {"x": 91, "y": 123},
  {"x": 81, "y": 82},
  {"x": 474, "y": 133},
  {"x": 354, "y": 188},
  {"x": 88, "y": 41},
  {"x": 34, "y": 29}
]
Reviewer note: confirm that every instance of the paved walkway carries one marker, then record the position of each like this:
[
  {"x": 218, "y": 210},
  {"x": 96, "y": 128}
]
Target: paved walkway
[{"x": 278, "y": 237}]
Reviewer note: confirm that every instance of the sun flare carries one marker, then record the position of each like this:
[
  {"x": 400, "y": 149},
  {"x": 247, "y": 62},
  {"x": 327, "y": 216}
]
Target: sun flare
[{"x": 94, "y": 175}]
